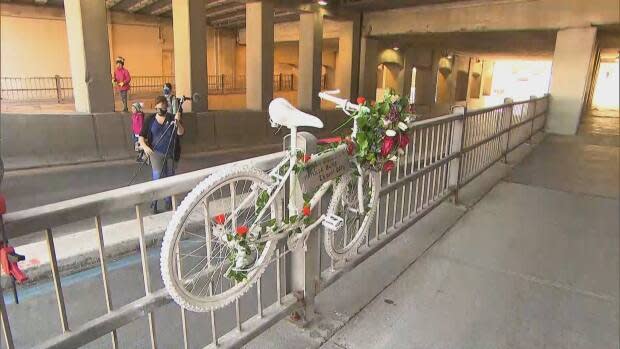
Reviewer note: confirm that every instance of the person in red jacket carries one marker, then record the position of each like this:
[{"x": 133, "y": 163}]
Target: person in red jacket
[{"x": 121, "y": 80}]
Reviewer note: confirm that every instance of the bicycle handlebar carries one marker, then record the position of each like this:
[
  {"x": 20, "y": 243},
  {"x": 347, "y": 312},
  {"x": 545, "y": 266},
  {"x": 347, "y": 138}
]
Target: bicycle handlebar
[{"x": 341, "y": 102}]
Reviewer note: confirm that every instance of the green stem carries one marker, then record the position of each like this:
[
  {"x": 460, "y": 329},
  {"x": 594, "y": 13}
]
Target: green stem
[{"x": 344, "y": 123}]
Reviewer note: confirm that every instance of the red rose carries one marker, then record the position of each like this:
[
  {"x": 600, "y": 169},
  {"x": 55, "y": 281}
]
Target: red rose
[
  {"x": 361, "y": 100},
  {"x": 306, "y": 211},
  {"x": 242, "y": 230},
  {"x": 220, "y": 218},
  {"x": 306, "y": 158},
  {"x": 388, "y": 166},
  {"x": 350, "y": 145},
  {"x": 351, "y": 148},
  {"x": 403, "y": 140},
  {"x": 387, "y": 145}
]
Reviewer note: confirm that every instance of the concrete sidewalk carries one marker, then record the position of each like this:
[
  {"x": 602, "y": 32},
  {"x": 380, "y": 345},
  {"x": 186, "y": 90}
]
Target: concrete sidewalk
[{"x": 533, "y": 265}]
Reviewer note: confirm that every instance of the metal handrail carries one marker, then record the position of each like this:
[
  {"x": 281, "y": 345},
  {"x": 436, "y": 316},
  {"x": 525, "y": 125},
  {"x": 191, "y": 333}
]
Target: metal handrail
[
  {"x": 36, "y": 219},
  {"x": 436, "y": 158}
]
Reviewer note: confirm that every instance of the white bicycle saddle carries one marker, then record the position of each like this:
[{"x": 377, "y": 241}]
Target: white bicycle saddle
[{"x": 281, "y": 112}]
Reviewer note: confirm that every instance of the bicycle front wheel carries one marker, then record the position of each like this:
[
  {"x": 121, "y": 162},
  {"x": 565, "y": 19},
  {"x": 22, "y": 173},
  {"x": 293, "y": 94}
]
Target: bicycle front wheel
[
  {"x": 207, "y": 259},
  {"x": 354, "y": 200}
]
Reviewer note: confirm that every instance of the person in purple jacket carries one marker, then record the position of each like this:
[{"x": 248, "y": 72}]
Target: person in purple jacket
[{"x": 121, "y": 80}]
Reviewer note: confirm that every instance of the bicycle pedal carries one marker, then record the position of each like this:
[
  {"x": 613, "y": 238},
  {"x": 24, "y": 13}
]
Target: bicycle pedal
[{"x": 333, "y": 222}]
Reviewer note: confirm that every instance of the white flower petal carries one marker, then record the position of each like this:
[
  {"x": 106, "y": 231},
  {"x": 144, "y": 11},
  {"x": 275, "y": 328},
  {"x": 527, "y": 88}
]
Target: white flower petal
[
  {"x": 402, "y": 126},
  {"x": 390, "y": 133}
]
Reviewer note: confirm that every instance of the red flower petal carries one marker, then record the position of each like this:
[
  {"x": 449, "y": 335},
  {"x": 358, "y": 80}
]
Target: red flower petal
[
  {"x": 306, "y": 210},
  {"x": 403, "y": 140},
  {"x": 388, "y": 166},
  {"x": 361, "y": 100},
  {"x": 387, "y": 145},
  {"x": 242, "y": 230},
  {"x": 307, "y": 158},
  {"x": 220, "y": 218}
]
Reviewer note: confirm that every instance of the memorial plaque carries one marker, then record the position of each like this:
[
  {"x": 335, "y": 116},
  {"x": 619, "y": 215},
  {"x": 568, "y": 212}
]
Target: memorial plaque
[{"x": 324, "y": 168}]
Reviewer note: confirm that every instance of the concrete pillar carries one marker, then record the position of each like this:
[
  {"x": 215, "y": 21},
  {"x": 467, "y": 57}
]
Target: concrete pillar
[
  {"x": 310, "y": 60},
  {"x": 87, "y": 37},
  {"x": 369, "y": 54},
  {"x": 425, "y": 61},
  {"x": 259, "y": 55},
  {"x": 190, "y": 45},
  {"x": 348, "y": 63},
  {"x": 571, "y": 70},
  {"x": 487, "y": 77}
]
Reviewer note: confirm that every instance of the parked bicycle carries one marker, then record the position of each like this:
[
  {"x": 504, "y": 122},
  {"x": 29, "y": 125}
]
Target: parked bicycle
[{"x": 223, "y": 235}]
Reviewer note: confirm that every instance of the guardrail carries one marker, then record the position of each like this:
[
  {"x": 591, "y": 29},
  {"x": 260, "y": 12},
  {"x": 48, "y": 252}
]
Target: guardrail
[
  {"x": 444, "y": 154},
  {"x": 60, "y": 88}
]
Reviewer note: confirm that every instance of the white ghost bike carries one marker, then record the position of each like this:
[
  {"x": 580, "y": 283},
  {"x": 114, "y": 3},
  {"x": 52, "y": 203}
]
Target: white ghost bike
[{"x": 223, "y": 235}]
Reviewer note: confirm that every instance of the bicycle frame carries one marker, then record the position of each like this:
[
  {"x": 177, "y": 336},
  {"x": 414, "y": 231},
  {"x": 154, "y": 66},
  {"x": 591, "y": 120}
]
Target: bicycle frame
[{"x": 295, "y": 198}]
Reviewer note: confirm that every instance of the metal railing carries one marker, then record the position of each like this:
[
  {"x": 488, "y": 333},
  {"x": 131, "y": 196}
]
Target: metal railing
[
  {"x": 60, "y": 88},
  {"x": 444, "y": 154},
  {"x": 57, "y": 88}
]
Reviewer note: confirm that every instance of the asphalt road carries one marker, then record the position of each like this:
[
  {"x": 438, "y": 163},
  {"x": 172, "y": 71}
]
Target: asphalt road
[{"x": 31, "y": 188}]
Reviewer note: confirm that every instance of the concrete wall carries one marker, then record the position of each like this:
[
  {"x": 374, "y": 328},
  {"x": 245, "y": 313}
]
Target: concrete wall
[
  {"x": 32, "y": 141},
  {"x": 146, "y": 43},
  {"x": 485, "y": 15}
]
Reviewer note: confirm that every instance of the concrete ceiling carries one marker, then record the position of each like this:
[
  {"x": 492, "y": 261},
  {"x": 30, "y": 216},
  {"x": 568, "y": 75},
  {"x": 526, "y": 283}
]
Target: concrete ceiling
[
  {"x": 231, "y": 13},
  {"x": 492, "y": 45}
]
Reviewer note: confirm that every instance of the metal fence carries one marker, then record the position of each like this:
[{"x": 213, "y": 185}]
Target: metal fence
[
  {"x": 444, "y": 154},
  {"x": 57, "y": 88},
  {"x": 60, "y": 88}
]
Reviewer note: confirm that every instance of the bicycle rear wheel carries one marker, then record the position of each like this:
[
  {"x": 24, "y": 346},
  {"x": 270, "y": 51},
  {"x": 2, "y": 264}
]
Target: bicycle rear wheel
[
  {"x": 345, "y": 203},
  {"x": 201, "y": 269}
]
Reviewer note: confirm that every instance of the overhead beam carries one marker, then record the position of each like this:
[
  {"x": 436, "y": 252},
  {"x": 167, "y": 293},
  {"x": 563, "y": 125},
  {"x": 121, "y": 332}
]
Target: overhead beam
[
  {"x": 157, "y": 6},
  {"x": 226, "y": 10},
  {"x": 235, "y": 21},
  {"x": 496, "y": 15},
  {"x": 111, "y": 3},
  {"x": 216, "y": 3},
  {"x": 140, "y": 5}
]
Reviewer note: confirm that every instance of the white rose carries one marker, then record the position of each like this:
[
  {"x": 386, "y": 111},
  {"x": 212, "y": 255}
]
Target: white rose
[
  {"x": 402, "y": 126},
  {"x": 408, "y": 119},
  {"x": 390, "y": 133},
  {"x": 394, "y": 98},
  {"x": 393, "y": 157}
]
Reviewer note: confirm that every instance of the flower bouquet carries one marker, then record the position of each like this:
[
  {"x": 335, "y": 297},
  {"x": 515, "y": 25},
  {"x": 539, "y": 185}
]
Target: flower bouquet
[{"x": 381, "y": 132}]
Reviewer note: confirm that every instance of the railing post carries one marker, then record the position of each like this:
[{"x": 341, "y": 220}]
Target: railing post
[
  {"x": 6, "y": 327},
  {"x": 506, "y": 125},
  {"x": 304, "y": 273},
  {"x": 456, "y": 147},
  {"x": 222, "y": 83},
  {"x": 58, "y": 89},
  {"x": 280, "y": 82},
  {"x": 531, "y": 113}
]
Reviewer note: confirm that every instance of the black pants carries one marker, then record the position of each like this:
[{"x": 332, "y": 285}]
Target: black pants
[{"x": 124, "y": 99}]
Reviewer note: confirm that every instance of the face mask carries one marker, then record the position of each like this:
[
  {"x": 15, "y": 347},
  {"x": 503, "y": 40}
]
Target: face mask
[
  {"x": 161, "y": 111},
  {"x": 166, "y": 91}
]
